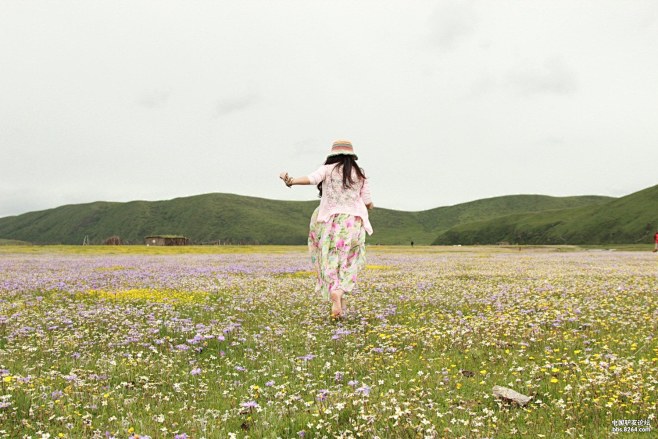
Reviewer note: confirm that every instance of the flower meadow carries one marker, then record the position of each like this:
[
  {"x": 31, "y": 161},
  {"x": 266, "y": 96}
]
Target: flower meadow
[{"x": 198, "y": 343}]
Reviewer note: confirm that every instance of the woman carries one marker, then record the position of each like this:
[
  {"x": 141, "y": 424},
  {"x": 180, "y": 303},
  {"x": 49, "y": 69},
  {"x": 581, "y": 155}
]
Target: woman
[{"x": 338, "y": 226}]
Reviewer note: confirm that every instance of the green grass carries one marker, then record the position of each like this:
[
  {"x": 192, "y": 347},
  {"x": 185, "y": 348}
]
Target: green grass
[
  {"x": 432, "y": 331},
  {"x": 238, "y": 219}
]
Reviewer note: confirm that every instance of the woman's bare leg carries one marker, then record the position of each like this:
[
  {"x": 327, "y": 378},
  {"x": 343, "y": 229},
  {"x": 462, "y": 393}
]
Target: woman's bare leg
[{"x": 336, "y": 297}]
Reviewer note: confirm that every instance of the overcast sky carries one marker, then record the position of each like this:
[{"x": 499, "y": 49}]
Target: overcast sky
[{"x": 444, "y": 101}]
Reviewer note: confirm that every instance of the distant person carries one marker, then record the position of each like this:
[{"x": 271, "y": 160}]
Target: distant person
[
  {"x": 655, "y": 240},
  {"x": 339, "y": 224},
  {"x": 412, "y": 243}
]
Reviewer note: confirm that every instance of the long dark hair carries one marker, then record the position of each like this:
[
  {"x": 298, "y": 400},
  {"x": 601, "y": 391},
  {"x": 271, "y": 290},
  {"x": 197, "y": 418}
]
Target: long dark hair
[{"x": 346, "y": 162}]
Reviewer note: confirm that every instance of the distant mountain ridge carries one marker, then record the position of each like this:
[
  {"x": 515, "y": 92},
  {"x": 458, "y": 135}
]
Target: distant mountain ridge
[
  {"x": 230, "y": 218},
  {"x": 627, "y": 220}
]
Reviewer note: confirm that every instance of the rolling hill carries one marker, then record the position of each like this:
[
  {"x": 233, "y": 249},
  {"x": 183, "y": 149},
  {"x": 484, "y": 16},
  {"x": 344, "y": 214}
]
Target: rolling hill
[
  {"x": 241, "y": 219},
  {"x": 629, "y": 219}
]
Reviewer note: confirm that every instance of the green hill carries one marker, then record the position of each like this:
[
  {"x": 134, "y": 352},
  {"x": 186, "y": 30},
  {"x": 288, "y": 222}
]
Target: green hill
[
  {"x": 12, "y": 242},
  {"x": 629, "y": 219},
  {"x": 240, "y": 219}
]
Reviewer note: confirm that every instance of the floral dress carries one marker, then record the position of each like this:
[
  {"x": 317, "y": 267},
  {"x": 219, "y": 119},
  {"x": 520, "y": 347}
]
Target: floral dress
[{"x": 338, "y": 251}]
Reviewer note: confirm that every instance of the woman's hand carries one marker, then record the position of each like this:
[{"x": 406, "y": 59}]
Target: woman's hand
[
  {"x": 370, "y": 206},
  {"x": 289, "y": 181},
  {"x": 286, "y": 179}
]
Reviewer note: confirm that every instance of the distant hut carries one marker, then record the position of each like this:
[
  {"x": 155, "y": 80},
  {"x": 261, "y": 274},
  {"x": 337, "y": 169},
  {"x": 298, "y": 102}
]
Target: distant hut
[
  {"x": 166, "y": 240},
  {"x": 113, "y": 240}
]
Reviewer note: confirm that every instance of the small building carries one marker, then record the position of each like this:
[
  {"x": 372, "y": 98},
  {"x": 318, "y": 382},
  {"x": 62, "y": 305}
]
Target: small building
[
  {"x": 113, "y": 240},
  {"x": 166, "y": 240}
]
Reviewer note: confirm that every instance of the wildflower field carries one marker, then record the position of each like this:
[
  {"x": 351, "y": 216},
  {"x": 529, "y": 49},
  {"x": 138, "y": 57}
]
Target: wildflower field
[{"x": 204, "y": 342}]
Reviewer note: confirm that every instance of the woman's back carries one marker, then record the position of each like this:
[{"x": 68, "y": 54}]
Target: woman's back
[
  {"x": 340, "y": 196},
  {"x": 336, "y": 193}
]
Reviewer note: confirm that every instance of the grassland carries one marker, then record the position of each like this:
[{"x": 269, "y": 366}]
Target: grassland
[{"x": 214, "y": 342}]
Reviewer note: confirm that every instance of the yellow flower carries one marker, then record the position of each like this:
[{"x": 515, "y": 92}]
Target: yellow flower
[
  {"x": 483, "y": 372},
  {"x": 554, "y": 380},
  {"x": 7, "y": 379}
]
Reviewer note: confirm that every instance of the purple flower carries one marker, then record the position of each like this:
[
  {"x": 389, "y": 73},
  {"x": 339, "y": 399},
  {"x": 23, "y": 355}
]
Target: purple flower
[
  {"x": 365, "y": 390},
  {"x": 269, "y": 383},
  {"x": 195, "y": 371},
  {"x": 240, "y": 368},
  {"x": 352, "y": 383},
  {"x": 57, "y": 394},
  {"x": 250, "y": 404},
  {"x": 197, "y": 338},
  {"x": 307, "y": 357},
  {"x": 338, "y": 376},
  {"x": 339, "y": 333},
  {"x": 181, "y": 436}
]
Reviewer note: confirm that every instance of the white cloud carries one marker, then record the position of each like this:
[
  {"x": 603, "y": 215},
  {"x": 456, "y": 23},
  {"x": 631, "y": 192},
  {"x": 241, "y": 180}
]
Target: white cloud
[
  {"x": 436, "y": 96},
  {"x": 154, "y": 98},
  {"x": 552, "y": 77},
  {"x": 451, "y": 23},
  {"x": 232, "y": 104}
]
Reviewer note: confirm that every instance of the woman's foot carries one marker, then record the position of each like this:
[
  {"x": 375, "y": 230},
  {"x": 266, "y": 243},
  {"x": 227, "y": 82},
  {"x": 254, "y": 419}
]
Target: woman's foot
[{"x": 336, "y": 297}]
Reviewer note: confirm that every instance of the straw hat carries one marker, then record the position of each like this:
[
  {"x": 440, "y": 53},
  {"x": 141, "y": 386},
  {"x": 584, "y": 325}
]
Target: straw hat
[{"x": 342, "y": 147}]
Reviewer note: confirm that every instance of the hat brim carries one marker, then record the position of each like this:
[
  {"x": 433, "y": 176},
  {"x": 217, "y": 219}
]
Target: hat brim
[{"x": 343, "y": 153}]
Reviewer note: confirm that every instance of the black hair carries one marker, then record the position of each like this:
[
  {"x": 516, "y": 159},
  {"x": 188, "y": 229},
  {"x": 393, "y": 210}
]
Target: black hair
[{"x": 346, "y": 162}]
